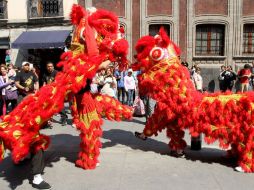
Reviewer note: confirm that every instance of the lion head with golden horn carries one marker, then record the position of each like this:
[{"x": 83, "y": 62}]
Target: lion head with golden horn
[
  {"x": 152, "y": 50},
  {"x": 97, "y": 33}
]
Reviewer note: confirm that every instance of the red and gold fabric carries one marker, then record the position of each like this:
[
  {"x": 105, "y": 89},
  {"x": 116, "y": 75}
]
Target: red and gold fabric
[
  {"x": 95, "y": 40},
  {"x": 225, "y": 117}
]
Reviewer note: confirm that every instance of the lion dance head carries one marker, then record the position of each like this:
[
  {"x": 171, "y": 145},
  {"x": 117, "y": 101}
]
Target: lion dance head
[
  {"x": 97, "y": 32},
  {"x": 154, "y": 49}
]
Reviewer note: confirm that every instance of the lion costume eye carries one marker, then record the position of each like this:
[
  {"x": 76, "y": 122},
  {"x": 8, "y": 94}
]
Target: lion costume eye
[{"x": 157, "y": 54}]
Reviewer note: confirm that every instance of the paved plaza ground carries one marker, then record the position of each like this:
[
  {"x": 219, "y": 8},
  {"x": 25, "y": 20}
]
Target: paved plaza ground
[{"x": 128, "y": 163}]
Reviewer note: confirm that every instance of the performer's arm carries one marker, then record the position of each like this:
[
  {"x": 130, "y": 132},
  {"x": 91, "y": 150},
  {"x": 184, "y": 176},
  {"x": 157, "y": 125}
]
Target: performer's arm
[{"x": 19, "y": 86}]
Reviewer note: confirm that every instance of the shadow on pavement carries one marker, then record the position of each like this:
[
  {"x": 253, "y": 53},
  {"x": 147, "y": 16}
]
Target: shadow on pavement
[
  {"x": 67, "y": 146},
  {"x": 134, "y": 120},
  {"x": 206, "y": 155},
  {"x": 14, "y": 174},
  {"x": 62, "y": 146},
  {"x": 127, "y": 138},
  {"x": 210, "y": 156}
]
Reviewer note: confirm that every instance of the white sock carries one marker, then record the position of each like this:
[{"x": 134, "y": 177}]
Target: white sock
[{"x": 37, "y": 179}]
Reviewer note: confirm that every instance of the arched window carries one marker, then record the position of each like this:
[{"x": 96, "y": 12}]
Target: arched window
[
  {"x": 154, "y": 29},
  {"x": 210, "y": 39},
  {"x": 46, "y": 8},
  {"x": 248, "y": 39}
]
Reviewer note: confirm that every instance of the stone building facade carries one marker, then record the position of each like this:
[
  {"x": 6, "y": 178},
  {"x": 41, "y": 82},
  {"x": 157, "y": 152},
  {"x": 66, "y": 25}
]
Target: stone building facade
[
  {"x": 19, "y": 16},
  {"x": 210, "y": 33}
]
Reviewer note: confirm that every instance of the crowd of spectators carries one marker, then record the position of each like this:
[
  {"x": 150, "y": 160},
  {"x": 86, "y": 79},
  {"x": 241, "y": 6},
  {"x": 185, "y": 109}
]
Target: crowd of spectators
[
  {"x": 240, "y": 81},
  {"x": 115, "y": 83}
]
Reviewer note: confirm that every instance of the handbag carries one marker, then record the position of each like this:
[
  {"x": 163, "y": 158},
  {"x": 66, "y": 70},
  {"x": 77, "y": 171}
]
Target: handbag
[
  {"x": 139, "y": 108},
  {"x": 11, "y": 95}
]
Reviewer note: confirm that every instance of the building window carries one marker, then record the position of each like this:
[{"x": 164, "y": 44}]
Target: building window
[
  {"x": 45, "y": 8},
  {"x": 154, "y": 29},
  {"x": 210, "y": 39},
  {"x": 248, "y": 39},
  {"x": 3, "y": 9}
]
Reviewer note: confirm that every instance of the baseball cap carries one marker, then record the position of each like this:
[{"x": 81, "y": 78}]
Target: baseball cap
[
  {"x": 130, "y": 71},
  {"x": 25, "y": 63}
]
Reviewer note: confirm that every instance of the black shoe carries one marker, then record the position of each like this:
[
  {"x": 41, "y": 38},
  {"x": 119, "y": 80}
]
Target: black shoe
[
  {"x": 63, "y": 123},
  {"x": 138, "y": 135},
  {"x": 63, "y": 120},
  {"x": 47, "y": 126},
  {"x": 42, "y": 185},
  {"x": 176, "y": 154}
]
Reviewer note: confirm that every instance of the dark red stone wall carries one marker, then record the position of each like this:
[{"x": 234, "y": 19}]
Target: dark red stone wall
[
  {"x": 116, "y": 6},
  {"x": 211, "y": 7},
  {"x": 159, "y": 7},
  {"x": 248, "y": 7}
]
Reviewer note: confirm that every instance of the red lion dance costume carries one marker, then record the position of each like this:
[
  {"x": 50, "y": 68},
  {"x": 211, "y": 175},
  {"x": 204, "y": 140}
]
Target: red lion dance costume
[
  {"x": 95, "y": 39},
  {"x": 226, "y": 117}
]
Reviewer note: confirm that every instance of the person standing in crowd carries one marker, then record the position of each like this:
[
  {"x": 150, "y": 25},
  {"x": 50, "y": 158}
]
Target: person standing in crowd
[
  {"x": 50, "y": 74},
  {"x": 198, "y": 80},
  {"x": 130, "y": 86},
  {"x": 119, "y": 75},
  {"x": 100, "y": 79},
  {"x": 47, "y": 78},
  {"x": 186, "y": 64},
  {"x": 229, "y": 78},
  {"x": 244, "y": 77},
  {"x": 252, "y": 75},
  {"x": 109, "y": 87},
  {"x": 94, "y": 86},
  {"x": 193, "y": 69},
  {"x": 11, "y": 71},
  {"x": 221, "y": 78},
  {"x": 26, "y": 81},
  {"x": 8, "y": 93}
]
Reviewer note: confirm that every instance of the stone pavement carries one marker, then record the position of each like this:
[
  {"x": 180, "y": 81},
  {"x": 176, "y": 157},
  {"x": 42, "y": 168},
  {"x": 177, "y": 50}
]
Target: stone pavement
[{"x": 128, "y": 163}]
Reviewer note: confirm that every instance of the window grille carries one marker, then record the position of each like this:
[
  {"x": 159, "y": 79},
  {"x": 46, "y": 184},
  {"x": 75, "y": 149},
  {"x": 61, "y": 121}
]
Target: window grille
[
  {"x": 46, "y": 8},
  {"x": 210, "y": 39},
  {"x": 248, "y": 39}
]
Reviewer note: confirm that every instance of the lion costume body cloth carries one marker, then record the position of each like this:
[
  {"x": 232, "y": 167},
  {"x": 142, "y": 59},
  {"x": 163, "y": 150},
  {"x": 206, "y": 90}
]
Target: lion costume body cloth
[
  {"x": 226, "y": 117},
  {"x": 95, "y": 40}
]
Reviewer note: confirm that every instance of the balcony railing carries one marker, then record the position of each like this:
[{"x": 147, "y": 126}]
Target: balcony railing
[
  {"x": 45, "y": 8},
  {"x": 3, "y": 9}
]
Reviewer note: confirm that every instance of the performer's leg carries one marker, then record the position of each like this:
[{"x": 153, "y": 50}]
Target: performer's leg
[
  {"x": 157, "y": 122},
  {"x": 37, "y": 167},
  {"x": 63, "y": 116},
  {"x": 37, "y": 162},
  {"x": 89, "y": 125},
  {"x": 177, "y": 142},
  {"x": 245, "y": 162},
  {"x": 246, "y": 154},
  {"x": 90, "y": 147},
  {"x": 148, "y": 108}
]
